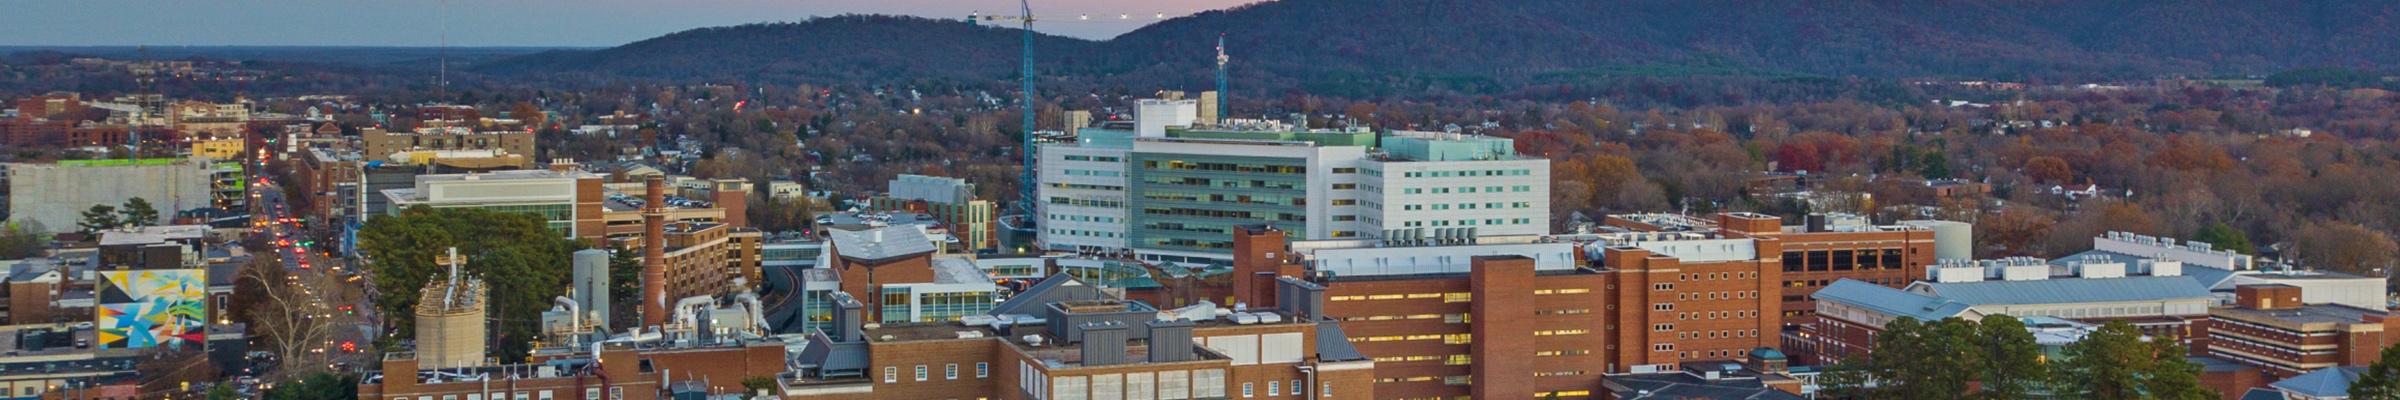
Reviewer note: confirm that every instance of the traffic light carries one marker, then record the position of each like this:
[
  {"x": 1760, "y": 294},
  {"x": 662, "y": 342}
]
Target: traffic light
[{"x": 349, "y": 346}]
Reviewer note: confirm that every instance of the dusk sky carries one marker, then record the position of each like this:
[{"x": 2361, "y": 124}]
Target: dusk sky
[{"x": 492, "y": 22}]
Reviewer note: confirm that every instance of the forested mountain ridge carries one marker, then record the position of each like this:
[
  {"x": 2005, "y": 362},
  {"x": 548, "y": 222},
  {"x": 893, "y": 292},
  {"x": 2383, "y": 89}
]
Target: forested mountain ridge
[
  {"x": 1507, "y": 42},
  {"x": 850, "y": 48}
]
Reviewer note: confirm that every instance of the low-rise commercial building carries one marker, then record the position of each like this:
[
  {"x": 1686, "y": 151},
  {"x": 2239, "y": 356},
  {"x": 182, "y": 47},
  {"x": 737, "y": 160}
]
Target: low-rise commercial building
[
  {"x": 1063, "y": 339},
  {"x": 2273, "y": 327}
]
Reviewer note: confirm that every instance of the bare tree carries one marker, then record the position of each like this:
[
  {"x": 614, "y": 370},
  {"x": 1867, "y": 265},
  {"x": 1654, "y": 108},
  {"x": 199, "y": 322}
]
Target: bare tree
[{"x": 294, "y": 313}]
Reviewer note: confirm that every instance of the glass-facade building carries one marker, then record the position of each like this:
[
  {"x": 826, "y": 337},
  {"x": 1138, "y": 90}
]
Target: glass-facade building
[
  {"x": 936, "y": 302},
  {"x": 1192, "y": 202}
]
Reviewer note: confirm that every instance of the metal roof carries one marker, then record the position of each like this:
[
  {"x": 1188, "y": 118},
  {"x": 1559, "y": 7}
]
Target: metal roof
[
  {"x": 2330, "y": 382},
  {"x": 2262, "y": 394},
  {"x": 2066, "y": 290},
  {"x": 1333, "y": 345},
  {"x": 1895, "y": 302},
  {"x": 880, "y": 243}
]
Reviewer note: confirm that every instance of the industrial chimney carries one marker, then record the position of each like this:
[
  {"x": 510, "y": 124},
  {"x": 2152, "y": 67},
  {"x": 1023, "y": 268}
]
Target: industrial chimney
[{"x": 654, "y": 252}]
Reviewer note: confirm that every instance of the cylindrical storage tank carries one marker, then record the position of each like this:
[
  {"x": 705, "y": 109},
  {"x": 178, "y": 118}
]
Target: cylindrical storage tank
[
  {"x": 591, "y": 282},
  {"x": 1952, "y": 240}
]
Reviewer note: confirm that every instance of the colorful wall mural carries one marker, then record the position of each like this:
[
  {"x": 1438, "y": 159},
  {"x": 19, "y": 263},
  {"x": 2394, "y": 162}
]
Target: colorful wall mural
[{"x": 148, "y": 308}]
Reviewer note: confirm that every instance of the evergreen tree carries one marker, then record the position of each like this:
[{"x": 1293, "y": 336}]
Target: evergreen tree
[
  {"x": 2012, "y": 362},
  {"x": 1915, "y": 360},
  {"x": 2381, "y": 381},
  {"x": 2106, "y": 364},
  {"x": 100, "y": 217},
  {"x": 2224, "y": 237},
  {"x": 2171, "y": 376},
  {"x": 137, "y": 212},
  {"x": 1937, "y": 165},
  {"x": 522, "y": 261}
]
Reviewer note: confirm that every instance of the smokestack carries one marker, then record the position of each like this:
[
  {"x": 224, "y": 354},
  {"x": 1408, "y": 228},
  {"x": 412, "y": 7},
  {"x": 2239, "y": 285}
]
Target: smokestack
[{"x": 654, "y": 252}]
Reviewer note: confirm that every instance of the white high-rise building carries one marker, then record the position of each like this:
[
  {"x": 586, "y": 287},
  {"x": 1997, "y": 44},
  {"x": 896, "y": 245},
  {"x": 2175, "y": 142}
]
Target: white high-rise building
[{"x": 1176, "y": 195}]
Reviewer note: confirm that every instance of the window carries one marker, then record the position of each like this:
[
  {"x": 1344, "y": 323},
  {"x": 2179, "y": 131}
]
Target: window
[
  {"x": 891, "y": 374},
  {"x": 1326, "y": 391},
  {"x": 1246, "y": 393},
  {"x": 1298, "y": 389},
  {"x": 920, "y": 372},
  {"x": 1070, "y": 388},
  {"x": 950, "y": 371},
  {"x": 983, "y": 370},
  {"x": 1208, "y": 383},
  {"x": 1174, "y": 385}
]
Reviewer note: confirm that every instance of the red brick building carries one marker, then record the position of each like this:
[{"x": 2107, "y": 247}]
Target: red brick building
[
  {"x": 1532, "y": 319},
  {"x": 1063, "y": 339},
  {"x": 2268, "y": 327},
  {"x": 1813, "y": 255}
]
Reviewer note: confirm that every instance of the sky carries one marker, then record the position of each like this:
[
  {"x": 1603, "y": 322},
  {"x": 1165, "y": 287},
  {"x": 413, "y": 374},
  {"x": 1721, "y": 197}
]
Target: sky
[{"x": 591, "y": 23}]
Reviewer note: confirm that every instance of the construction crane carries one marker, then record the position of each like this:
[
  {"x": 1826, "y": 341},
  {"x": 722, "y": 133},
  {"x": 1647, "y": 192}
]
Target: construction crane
[
  {"x": 1222, "y": 59},
  {"x": 1027, "y": 182}
]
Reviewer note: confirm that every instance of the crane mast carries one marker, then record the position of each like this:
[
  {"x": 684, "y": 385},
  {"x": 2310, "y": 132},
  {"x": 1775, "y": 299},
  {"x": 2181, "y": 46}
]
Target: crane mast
[
  {"x": 1222, "y": 109},
  {"x": 1026, "y": 184}
]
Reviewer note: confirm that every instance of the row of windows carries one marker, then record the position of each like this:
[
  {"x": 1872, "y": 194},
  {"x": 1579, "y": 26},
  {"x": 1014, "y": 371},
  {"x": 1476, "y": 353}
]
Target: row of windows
[
  {"x": 1467, "y": 173},
  {"x": 1087, "y": 202},
  {"x": 1842, "y": 260},
  {"x": 1450, "y": 338},
  {"x": 1082, "y": 218},
  {"x": 1449, "y": 297},
  {"x": 1468, "y": 222},
  {"x": 619, "y": 392},
  {"x": 1718, "y": 334},
  {"x": 949, "y": 372},
  {"x": 1225, "y": 167},
  {"x": 1747, "y": 294},
  {"x": 1446, "y": 318},
  {"x": 1468, "y": 189},
  {"x": 1714, "y": 354},
  {"x": 1094, "y": 158},
  {"x": 1718, "y": 276},
  {"x": 1461, "y": 206},
  {"x": 1083, "y": 233},
  {"x": 1716, "y": 315}
]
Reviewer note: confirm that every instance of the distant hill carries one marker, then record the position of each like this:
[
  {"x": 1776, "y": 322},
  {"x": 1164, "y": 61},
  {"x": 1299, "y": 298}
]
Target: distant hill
[
  {"x": 1530, "y": 41},
  {"x": 845, "y": 48}
]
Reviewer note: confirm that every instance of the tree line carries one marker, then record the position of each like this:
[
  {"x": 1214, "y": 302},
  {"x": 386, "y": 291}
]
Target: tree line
[{"x": 1998, "y": 358}]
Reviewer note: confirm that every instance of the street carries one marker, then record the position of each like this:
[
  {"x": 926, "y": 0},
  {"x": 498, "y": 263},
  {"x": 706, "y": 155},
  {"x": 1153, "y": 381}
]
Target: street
[{"x": 300, "y": 252}]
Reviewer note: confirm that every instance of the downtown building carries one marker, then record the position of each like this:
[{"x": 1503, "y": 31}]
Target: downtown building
[
  {"x": 2155, "y": 297},
  {"x": 1535, "y": 317},
  {"x": 1164, "y": 192},
  {"x": 949, "y": 200},
  {"x": 1064, "y": 339},
  {"x": 1826, "y": 248},
  {"x": 2271, "y": 327}
]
